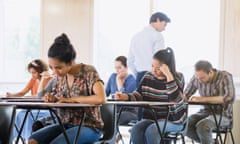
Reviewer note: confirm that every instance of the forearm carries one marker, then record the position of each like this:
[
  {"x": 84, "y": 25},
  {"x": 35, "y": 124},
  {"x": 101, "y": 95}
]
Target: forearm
[
  {"x": 210, "y": 99},
  {"x": 93, "y": 99}
]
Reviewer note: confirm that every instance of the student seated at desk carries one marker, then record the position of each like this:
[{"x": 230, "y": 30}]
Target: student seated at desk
[
  {"x": 35, "y": 67},
  {"x": 162, "y": 84},
  {"x": 213, "y": 86},
  {"x": 122, "y": 82},
  {"x": 73, "y": 83}
]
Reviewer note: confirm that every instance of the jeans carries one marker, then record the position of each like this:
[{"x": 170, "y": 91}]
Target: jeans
[
  {"x": 145, "y": 131},
  {"x": 200, "y": 127},
  {"x": 126, "y": 117},
  {"x": 53, "y": 134},
  {"x": 27, "y": 129}
]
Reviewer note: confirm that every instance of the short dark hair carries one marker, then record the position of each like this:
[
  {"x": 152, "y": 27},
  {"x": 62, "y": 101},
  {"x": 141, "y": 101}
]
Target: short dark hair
[
  {"x": 204, "y": 66},
  {"x": 38, "y": 65},
  {"x": 62, "y": 49},
  {"x": 122, "y": 59},
  {"x": 161, "y": 16}
]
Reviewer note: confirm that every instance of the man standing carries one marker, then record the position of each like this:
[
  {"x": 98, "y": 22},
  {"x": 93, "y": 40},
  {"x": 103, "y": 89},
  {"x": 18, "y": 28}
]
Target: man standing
[
  {"x": 213, "y": 86},
  {"x": 145, "y": 43}
]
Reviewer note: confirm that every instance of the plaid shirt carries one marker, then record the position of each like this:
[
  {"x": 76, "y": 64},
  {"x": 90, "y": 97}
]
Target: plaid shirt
[{"x": 222, "y": 85}]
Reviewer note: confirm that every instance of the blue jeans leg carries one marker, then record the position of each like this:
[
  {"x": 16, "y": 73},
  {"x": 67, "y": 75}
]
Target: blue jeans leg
[
  {"x": 138, "y": 131},
  {"x": 27, "y": 129},
  {"x": 87, "y": 135},
  {"x": 152, "y": 135},
  {"x": 47, "y": 134}
]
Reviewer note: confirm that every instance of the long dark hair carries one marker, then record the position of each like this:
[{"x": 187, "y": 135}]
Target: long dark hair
[{"x": 167, "y": 57}]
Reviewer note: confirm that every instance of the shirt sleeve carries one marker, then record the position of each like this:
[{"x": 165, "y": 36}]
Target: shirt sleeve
[
  {"x": 159, "y": 43},
  {"x": 131, "y": 59},
  {"x": 48, "y": 89},
  {"x": 229, "y": 89},
  {"x": 191, "y": 87},
  {"x": 130, "y": 84}
]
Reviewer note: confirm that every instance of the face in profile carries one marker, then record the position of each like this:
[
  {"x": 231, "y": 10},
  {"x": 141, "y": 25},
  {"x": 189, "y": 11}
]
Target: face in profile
[
  {"x": 160, "y": 25},
  {"x": 156, "y": 68},
  {"x": 58, "y": 68},
  {"x": 34, "y": 73},
  {"x": 203, "y": 76}
]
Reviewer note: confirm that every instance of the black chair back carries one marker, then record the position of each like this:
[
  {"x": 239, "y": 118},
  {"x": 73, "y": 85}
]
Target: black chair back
[
  {"x": 108, "y": 113},
  {"x": 7, "y": 121}
]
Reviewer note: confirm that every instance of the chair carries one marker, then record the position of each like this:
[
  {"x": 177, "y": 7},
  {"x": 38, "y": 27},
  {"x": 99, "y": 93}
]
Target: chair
[
  {"x": 7, "y": 121},
  {"x": 225, "y": 130},
  {"x": 174, "y": 136},
  {"x": 108, "y": 113}
]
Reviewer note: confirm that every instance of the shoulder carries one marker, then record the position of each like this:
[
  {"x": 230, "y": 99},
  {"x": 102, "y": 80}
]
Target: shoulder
[
  {"x": 113, "y": 75},
  {"x": 81, "y": 68},
  {"x": 224, "y": 75},
  {"x": 179, "y": 75},
  {"x": 131, "y": 77}
]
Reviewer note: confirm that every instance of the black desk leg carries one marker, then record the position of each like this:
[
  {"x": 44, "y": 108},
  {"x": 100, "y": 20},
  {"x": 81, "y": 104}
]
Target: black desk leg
[
  {"x": 79, "y": 127},
  {"x": 22, "y": 125},
  {"x": 218, "y": 123},
  {"x": 161, "y": 133},
  {"x": 60, "y": 123}
]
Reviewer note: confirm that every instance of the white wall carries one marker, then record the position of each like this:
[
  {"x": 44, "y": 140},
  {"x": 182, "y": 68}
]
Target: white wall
[{"x": 73, "y": 17}]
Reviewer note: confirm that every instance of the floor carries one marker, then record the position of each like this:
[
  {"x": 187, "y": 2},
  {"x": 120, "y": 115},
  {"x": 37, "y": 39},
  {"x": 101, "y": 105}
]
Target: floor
[{"x": 124, "y": 130}]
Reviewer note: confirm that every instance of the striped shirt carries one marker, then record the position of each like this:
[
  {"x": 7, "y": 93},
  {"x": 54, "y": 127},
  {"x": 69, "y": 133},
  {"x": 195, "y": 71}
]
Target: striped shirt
[
  {"x": 154, "y": 89},
  {"x": 222, "y": 85}
]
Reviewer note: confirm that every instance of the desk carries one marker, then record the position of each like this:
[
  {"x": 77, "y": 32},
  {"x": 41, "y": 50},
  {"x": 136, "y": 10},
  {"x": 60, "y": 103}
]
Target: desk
[
  {"x": 50, "y": 107},
  {"x": 217, "y": 122},
  {"x": 148, "y": 105}
]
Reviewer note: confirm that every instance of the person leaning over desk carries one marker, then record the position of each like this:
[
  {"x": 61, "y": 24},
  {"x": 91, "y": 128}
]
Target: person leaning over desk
[
  {"x": 36, "y": 67},
  {"x": 213, "y": 86},
  {"x": 162, "y": 84},
  {"x": 73, "y": 83},
  {"x": 122, "y": 81}
]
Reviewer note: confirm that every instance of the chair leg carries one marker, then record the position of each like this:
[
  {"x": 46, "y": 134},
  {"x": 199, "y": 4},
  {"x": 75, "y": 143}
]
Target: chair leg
[
  {"x": 225, "y": 137},
  {"x": 183, "y": 138},
  {"x": 232, "y": 137}
]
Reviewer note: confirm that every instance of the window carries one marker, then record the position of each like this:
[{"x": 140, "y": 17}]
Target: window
[
  {"x": 193, "y": 32},
  {"x": 115, "y": 22},
  {"x": 19, "y": 39}
]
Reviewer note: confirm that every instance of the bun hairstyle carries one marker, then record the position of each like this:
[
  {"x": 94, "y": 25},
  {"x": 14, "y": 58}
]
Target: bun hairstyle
[
  {"x": 167, "y": 57},
  {"x": 62, "y": 49},
  {"x": 38, "y": 65}
]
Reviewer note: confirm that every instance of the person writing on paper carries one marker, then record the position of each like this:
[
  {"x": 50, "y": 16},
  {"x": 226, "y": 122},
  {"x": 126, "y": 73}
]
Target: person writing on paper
[
  {"x": 162, "y": 84},
  {"x": 73, "y": 83},
  {"x": 122, "y": 82},
  {"x": 213, "y": 86},
  {"x": 35, "y": 67}
]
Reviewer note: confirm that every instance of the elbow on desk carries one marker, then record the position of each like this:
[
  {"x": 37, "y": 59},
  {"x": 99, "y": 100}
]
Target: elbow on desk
[{"x": 101, "y": 101}]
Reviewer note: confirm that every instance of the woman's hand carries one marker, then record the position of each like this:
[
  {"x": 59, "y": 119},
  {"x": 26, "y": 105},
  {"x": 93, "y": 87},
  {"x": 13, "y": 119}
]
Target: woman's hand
[
  {"x": 166, "y": 71},
  {"x": 49, "y": 98},
  {"x": 65, "y": 100},
  {"x": 121, "y": 96},
  {"x": 8, "y": 94}
]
